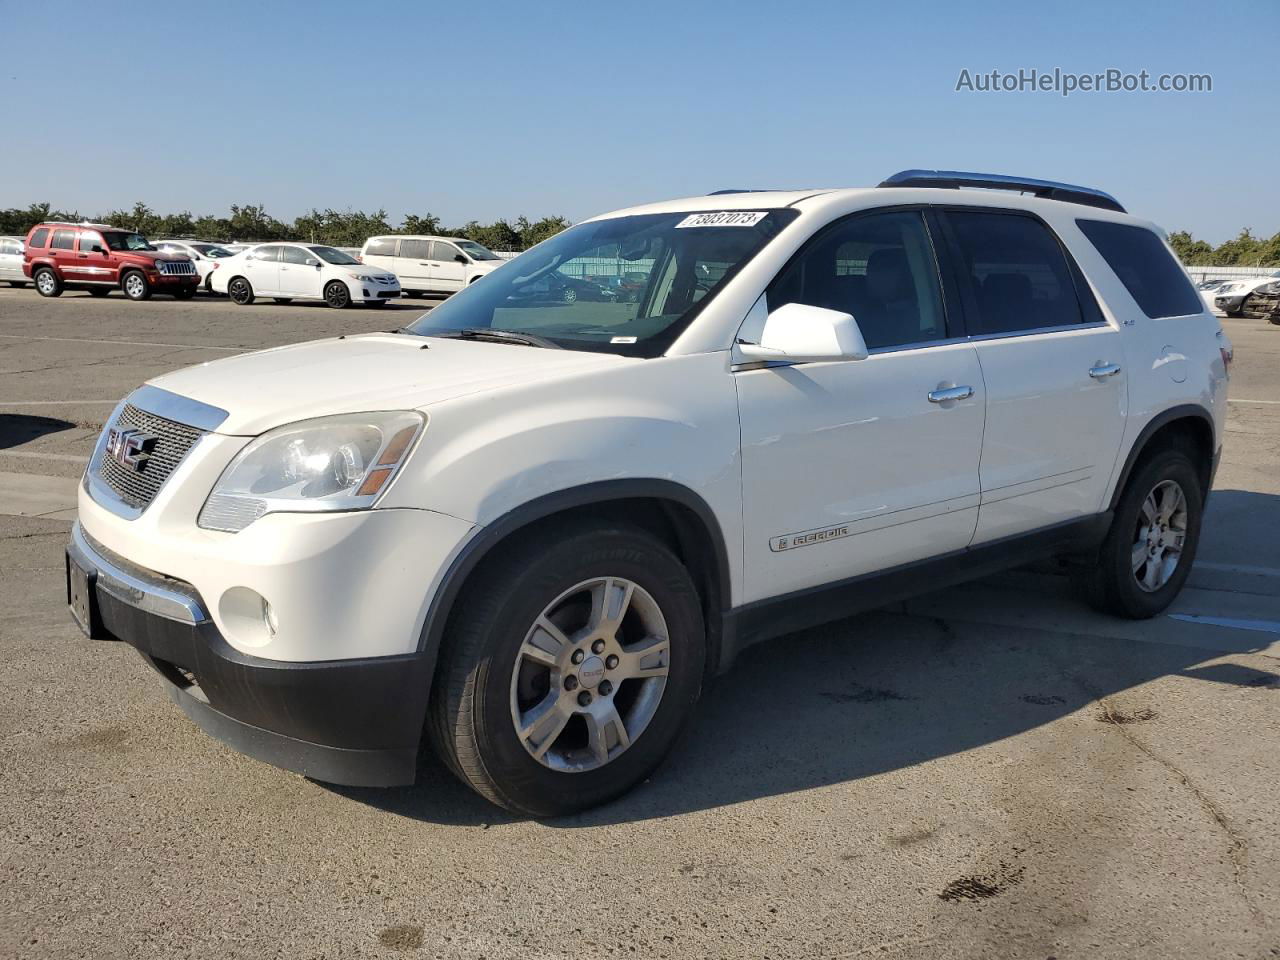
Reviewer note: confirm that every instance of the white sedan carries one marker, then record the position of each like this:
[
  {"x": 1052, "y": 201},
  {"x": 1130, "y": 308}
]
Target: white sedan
[
  {"x": 11, "y": 261},
  {"x": 202, "y": 253},
  {"x": 302, "y": 271}
]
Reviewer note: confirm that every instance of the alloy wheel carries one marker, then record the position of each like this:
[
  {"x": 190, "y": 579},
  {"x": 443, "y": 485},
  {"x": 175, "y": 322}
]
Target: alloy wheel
[
  {"x": 590, "y": 674},
  {"x": 135, "y": 286},
  {"x": 46, "y": 282},
  {"x": 1160, "y": 537}
]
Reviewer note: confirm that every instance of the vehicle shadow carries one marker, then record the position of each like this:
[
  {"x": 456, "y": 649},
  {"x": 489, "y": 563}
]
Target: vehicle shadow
[
  {"x": 19, "y": 428},
  {"x": 857, "y": 698}
]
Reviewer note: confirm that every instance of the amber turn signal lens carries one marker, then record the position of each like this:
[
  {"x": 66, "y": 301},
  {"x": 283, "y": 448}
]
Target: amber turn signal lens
[
  {"x": 396, "y": 448},
  {"x": 374, "y": 482}
]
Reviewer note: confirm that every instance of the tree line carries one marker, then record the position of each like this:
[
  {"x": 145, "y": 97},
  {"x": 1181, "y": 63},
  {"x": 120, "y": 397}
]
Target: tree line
[
  {"x": 339, "y": 228},
  {"x": 1245, "y": 250}
]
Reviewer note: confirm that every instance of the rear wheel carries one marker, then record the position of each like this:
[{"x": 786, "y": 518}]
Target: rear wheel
[
  {"x": 47, "y": 283},
  {"x": 569, "y": 668},
  {"x": 283, "y": 299},
  {"x": 240, "y": 291},
  {"x": 135, "y": 285},
  {"x": 1148, "y": 552},
  {"x": 99, "y": 291},
  {"x": 337, "y": 295}
]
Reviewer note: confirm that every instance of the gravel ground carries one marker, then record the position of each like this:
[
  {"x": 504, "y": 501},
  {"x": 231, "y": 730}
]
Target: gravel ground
[{"x": 990, "y": 771}]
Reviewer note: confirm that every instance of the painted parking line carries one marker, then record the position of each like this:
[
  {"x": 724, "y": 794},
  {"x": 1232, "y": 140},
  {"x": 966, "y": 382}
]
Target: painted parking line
[
  {"x": 31, "y": 455},
  {"x": 126, "y": 343},
  {"x": 1238, "y": 568},
  {"x": 1260, "y": 626},
  {"x": 1268, "y": 402}
]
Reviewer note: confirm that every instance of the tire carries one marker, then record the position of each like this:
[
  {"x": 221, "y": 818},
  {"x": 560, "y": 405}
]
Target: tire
[
  {"x": 337, "y": 295},
  {"x": 184, "y": 293},
  {"x": 208, "y": 283},
  {"x": 240, "y": 291},
  {"x": 282, "y": 300},
  {"x": 569, "y": 295},
  {"x": 135, "y": 286},
  {"x": 47, "y": 283},
  {"x": 99, "y": 291},
  {"x": 1117, "y": 585},
  {"x": 1247, "y": 308},
  {"x": 18, "y": 284},
  {"x": 486, "y": 680}
]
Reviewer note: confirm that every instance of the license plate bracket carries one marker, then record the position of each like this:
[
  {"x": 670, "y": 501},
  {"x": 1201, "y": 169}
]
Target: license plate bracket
[{"x": 82, "y": 598}]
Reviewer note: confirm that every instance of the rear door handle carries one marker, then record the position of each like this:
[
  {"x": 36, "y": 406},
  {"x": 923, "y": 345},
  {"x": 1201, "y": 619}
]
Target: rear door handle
[
  {"x": 950, "y": 393},
  {"x": 1104, "y": 370}
]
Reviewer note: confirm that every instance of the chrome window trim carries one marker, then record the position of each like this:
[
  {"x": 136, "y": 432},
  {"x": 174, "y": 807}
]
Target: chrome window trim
[{"x": 133, "y": 585}]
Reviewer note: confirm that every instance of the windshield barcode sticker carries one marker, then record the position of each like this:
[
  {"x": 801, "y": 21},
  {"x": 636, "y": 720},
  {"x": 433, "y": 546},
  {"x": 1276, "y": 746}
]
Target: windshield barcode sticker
[{"x": 723, "y": 218}]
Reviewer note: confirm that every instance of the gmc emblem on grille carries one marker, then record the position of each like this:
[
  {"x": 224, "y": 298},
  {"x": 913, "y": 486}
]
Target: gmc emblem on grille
[{"x": 130, "y": 448}]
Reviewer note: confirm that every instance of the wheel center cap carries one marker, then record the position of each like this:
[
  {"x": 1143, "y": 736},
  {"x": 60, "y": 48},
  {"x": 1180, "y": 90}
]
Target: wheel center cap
[{"x": 591, "y": 672}]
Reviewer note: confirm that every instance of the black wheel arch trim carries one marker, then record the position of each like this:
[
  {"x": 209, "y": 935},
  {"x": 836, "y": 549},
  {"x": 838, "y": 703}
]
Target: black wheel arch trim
[
  {"x": 598, "y": 493},
  {"x": 1163, "y": 419}
]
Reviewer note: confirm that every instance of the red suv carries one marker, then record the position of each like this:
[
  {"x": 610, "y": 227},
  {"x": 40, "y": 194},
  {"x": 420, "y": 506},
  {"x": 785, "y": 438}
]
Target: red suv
[{"x": 97, "y": 257}]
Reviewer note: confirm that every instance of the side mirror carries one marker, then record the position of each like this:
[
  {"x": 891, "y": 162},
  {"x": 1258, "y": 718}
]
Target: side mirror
[
  {"x": 799, "y": 333},
  {"x": 97, "y": 248},
  {"x": 460, "y": 258},
  {"x": 313, "y": 262}
]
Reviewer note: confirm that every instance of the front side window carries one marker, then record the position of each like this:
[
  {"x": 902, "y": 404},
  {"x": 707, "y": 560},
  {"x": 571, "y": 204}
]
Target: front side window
[
  {"x": 297, "y": 255},
  {"x": 1017, "y": 273},
  {"x": 90, "y": 240},
  {"x": 415, "y": 249},
  {"x": 120, "y": 240},
  {"x": 39, "y": 238},
  {"x": 212, "y": 251},
  {"x": 335, "y": 256},
  {"x": 381, "y": 247},
  {"x": 565, "y": 290},
  {"x": 1146, "y": 268},
  {"x": 476, "y": 251},
  {"x": 444, "y": 252},
  {"x": 880, "y": 268}
]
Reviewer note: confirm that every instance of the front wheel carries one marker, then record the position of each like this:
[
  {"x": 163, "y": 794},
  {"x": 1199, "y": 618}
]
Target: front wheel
[
  {"x": 337, "y": 295},
  {"x": 240, "y": 291},
  {"x": 569, "y": 669},
  {"x": 1148, "y": 552},
  {"x": 135, "y": 286},
  {"x": 47, "y": 283}
]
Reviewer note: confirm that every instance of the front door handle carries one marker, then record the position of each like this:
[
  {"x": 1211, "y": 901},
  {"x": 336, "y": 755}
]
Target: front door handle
[
  {"x": 944, "y": 394},
  {"x": 1104, "y": 370}
]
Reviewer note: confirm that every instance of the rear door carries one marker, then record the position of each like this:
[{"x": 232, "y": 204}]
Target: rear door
[
  {"x": 447, "y": 274},
  {"x": 1053, "y": 368},
  {"x": 413, "y": 265},
  {"x": 262, "y": 266},
  {"x": 62, "y": 250}
]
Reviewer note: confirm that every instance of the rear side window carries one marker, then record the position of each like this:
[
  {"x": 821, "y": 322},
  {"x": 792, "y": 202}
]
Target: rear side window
[
  {"x": 1143, "y": 264},
  {"x": 1017, "y": 273},
  {"x": 64, "y": 240},
  {"x": 39, "y": 237},
  {"x": 415, "y": 249},
  {"x": 381, "y": 247}
]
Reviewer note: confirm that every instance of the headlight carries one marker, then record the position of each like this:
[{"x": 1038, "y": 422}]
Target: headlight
[
  {"x": 366, "y": 277},
  {"x": 331, "y": 463},
  {"x": 1271, "y": 289}
]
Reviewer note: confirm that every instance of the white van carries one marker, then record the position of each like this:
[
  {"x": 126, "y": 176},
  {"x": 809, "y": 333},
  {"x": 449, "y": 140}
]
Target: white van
[{"x": 430, "y": 265}]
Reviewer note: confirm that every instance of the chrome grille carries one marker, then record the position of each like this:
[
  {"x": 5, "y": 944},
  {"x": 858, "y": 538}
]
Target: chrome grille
[
  {"x": 176, "y": 267},
  {"x": 138, "y": 487}
]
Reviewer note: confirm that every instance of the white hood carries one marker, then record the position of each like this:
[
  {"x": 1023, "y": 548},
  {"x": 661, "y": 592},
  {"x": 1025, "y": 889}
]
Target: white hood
[{"x": 354, "y": 374}]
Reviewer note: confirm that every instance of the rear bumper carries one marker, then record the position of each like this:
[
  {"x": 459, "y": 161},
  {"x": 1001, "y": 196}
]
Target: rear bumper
[{"x": 354, "y": 722}]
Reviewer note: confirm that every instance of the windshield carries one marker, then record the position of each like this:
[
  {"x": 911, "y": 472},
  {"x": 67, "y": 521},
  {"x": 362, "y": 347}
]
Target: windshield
[
  {"x": 212, "y": 252},
  {"x": 126, "y": 241},
  {"x": 334, "y": 255},
  {"x": 475, "y": 251},
  {"x": 568, "y": 290}
]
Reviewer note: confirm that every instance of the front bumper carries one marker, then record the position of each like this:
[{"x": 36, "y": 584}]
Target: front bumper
[
  {"x": 356, "y": 722},
  {"x": 1228, "y": 304}
]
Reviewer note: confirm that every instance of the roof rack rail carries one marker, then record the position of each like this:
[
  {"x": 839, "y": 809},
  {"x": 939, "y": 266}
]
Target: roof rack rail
[{"x": 1045, "y": 189}]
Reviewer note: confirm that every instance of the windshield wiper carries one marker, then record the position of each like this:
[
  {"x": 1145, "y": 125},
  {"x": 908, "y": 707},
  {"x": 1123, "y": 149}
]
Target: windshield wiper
[{"x": 498, "y": 336}]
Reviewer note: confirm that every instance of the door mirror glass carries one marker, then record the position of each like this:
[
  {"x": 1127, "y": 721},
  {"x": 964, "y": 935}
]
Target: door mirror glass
[
  {"x": 313, "y": 262},
  {"x": 799, "y": 333},
  {"x": 460, "y": 258}
]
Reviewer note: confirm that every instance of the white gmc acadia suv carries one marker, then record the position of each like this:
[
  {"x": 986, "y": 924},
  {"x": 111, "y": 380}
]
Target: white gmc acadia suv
[{"x": 532, "y": 529}]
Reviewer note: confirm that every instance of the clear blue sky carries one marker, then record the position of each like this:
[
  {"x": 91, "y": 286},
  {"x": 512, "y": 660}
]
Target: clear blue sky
[{"x": 483, "y": 109}]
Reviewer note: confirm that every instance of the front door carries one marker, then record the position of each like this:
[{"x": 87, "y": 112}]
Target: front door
[
  {"x": 858, "y": 466},
  {"x": 1054, "y": 369},
  {"x": 298, "y": 278},
  {"x": 93, "y": 262},
  {"x": 447, "y": 274}
]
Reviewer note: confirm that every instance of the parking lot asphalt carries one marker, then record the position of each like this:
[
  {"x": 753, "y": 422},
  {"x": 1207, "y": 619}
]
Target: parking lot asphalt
[{"x": 990, "y": 771}]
